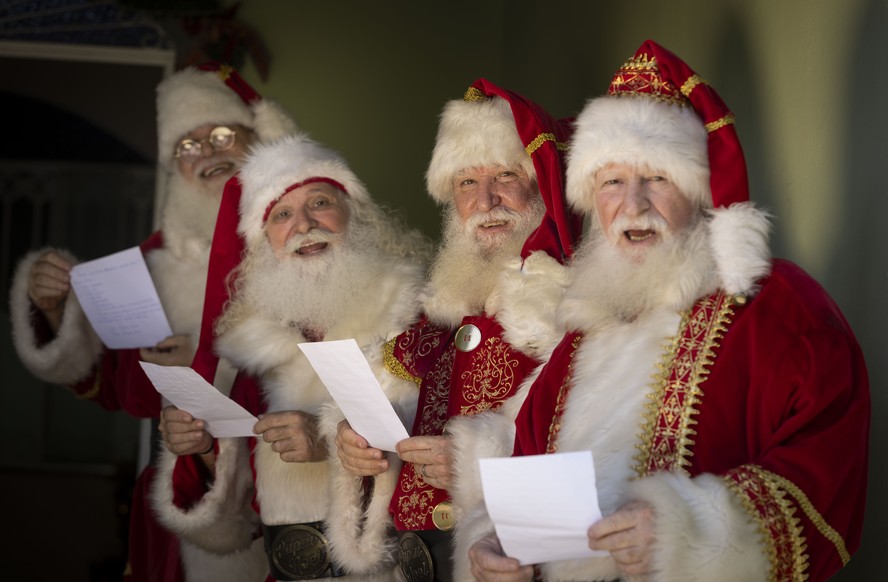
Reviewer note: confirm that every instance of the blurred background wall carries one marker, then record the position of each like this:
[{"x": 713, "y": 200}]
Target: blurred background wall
[{"x": 805, "y": 79}]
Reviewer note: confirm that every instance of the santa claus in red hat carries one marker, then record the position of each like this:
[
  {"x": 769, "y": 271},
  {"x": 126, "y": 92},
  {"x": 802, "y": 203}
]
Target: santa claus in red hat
[
  {"x": 207, "y": 118},
  {"x": 321, "y": 262},
  {"x": 723, "y": 396},
  {"x": 497, "y": 172}
]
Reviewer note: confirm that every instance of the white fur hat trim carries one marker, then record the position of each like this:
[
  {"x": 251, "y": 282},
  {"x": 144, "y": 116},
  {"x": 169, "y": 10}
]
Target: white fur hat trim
[
  {"x": 192, "y": 98},
  {"x": 638, "y": 131},
  {"x": 273, "y": 167},
  {"x": 472, "y": 134}
]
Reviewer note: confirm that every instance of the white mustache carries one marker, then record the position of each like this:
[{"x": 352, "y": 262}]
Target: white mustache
[
  {"x": 496, "y": 214},
  {"x": 645, "y": 222},
  {"x": 313, "y": 236}
]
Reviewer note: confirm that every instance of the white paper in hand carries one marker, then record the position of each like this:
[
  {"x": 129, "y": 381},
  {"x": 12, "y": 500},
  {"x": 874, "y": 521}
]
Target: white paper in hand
[
  {"x": 120, "y": 301},
  {"x": 189, "y": 391},
  {"x": 346, "y": 373},
  {"x": 542, "y": 505}
]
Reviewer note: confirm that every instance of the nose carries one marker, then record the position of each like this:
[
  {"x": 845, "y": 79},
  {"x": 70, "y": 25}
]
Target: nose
[
  {"x": 488, "y": 196},
  {"x": 637, "y": 201},
  {"x": 303, "y": 221}
]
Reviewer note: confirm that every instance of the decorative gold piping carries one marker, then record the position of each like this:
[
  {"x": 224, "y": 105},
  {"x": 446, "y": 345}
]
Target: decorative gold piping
[
  {"x": 690, "y": 84},
  {"x": 540, "y": 140},
  {"x": 802, "y": 500},
  {"x": 394, "y": 366},
  {"x": 474, "y": 94},
  {"x": 555, "y": 426},
  {"x": 720, "y": 123},
  {"x": 666, "y": 439},
  {"x": 779, "y": 529}
]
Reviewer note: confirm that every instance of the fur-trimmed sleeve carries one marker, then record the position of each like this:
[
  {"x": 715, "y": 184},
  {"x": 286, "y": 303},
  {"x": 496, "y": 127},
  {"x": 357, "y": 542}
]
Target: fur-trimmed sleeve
[
  {"x": 71, "y": 354},
  {"x": 222, "y": 520},
  {"x": 360, "y": 532}
]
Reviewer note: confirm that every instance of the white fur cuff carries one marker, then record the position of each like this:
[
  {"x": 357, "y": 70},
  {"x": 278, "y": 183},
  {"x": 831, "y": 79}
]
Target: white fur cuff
[{"x": 67, "y": 358}]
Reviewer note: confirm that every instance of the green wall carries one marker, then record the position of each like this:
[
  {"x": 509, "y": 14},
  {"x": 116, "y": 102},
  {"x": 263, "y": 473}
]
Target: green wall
[{"x": 804, "y": 77}]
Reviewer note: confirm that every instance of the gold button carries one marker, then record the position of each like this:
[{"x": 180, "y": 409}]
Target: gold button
[
  {"x": 467, "y": 338},
  {"x": 443, "y": 517}
]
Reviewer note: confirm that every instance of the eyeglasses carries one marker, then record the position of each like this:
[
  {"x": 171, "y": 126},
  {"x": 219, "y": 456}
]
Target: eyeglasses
[{"x": 221, "y": 139}]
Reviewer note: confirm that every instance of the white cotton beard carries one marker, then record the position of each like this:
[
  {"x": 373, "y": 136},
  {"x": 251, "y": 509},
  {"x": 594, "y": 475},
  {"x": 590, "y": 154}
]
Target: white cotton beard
[
  {"x": 311, "y": 292},
  {"x": 466, "y": 269},
  {"x": 189, "y": 211},
  {"x": 608, "y": 287}
]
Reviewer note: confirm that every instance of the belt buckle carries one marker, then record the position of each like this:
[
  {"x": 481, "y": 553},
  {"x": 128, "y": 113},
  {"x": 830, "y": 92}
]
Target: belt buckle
[
  {"x": 414, "y": 558},
  {"x": 299, "y": 551}
]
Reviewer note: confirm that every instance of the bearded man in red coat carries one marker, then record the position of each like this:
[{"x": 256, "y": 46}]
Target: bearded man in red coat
[{"x": 722, "y": 393}]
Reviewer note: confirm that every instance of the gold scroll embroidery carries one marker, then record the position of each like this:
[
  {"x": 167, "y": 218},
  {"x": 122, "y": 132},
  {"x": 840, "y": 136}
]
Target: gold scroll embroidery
[{"x": 490, "y": 377}]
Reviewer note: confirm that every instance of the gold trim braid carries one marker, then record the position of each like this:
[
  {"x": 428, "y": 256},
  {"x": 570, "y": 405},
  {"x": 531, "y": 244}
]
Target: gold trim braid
[
  {"x": 474, "y": 94},
  {"x": 688, "y": 86},
  {"x": 766, "y": 502},
  {"x": 540, "y": 140},
  {"x": 720, "y": 123},
  {"x": 819, "y": 522},
  {"x": 394, "y": 366},
  {"x": 666, "y": 438}
]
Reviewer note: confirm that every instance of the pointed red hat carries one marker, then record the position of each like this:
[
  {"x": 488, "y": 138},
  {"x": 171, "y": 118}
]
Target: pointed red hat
[
  {"x": 666, "y": 116},
  {"x": 492, "y": 125}
]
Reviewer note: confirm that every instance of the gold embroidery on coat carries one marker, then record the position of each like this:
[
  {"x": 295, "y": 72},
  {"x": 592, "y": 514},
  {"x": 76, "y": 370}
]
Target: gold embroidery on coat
[
  {"x": 394, "y": 366},
  {"x": 434, "y": 414},
  {"x": 780, "y": 530},
  {"x": 490, "y": 377},
  {"x": 415, "y": 507},
  {"x": 819, "y": 522},
  {"x": 666, "y": 438},
  {"x": 555, "y": 427}
]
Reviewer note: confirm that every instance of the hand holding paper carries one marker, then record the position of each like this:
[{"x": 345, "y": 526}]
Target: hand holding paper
[
  {"x": 542, "y": 505},
  {"x": 120, "y": 301},
  {"x": 189, "y": 391},
  {"x": 346, "y": 373}
]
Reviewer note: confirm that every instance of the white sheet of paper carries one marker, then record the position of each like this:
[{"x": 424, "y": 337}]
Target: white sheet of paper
[
  {"x": 346, "y": 373},
  {"x": 120, "y": 301},
  {"x": 189, "y": 391},
  {"x": 542, "y": 505}
]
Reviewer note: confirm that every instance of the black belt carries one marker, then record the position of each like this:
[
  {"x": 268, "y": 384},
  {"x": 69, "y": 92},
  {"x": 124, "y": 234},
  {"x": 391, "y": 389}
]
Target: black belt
[
  {"x": 298, "y": 551},
  {"x": 425, "y": 555}
]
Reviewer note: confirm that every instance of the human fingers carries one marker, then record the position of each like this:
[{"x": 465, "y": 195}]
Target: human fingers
[
  {"x": 278, "y": 422},
  {"x": 490, "y": 564}
]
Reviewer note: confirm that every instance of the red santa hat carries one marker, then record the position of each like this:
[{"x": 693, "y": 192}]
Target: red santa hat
[
  {"x": 660, "y": 114},
  {"x": 213, "y": 94},
  {"x": 271, "y": 170},
  {"x": 275, "y": 168},
  {"x": 495, "y": 126}
]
